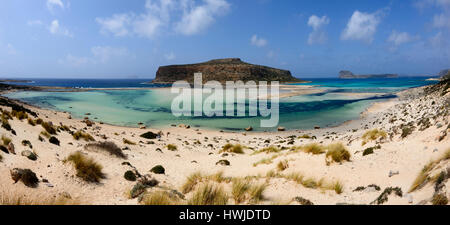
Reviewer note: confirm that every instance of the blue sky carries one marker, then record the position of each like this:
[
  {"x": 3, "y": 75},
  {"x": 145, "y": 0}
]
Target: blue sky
[{"x": 130, "y": 39}]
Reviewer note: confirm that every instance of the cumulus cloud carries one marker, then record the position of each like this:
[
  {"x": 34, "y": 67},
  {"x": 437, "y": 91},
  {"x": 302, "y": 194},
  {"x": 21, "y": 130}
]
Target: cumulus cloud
[
  {"x": 258, "y": 41},
  {"x": 318, "y": 35},
  {"x": 117, "y": 24},
  {"x": 52, "y": 4},
  {"x": 55, "y": 28},
  {"x": 197, "y": 18},
  {"x": 362, "y": 26},
  {"x": 159, "y": 15}
]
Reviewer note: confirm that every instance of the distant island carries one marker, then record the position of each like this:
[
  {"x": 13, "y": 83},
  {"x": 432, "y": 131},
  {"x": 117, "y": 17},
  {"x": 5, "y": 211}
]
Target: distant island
[
  {"x": 222, "y": 70},
  {"x": 345, "y": 74}
]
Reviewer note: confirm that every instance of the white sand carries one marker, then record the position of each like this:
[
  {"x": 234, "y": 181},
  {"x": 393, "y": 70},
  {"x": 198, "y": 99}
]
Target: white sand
[{"x": 407, "y": 156}]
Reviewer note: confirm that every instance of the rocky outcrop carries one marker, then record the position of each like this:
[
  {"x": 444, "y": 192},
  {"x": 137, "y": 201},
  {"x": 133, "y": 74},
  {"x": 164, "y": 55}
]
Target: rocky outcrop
[
  {"x": 345, "y": 74},
  {"x": 223, "y": 70},
  {"x": 444, "y": 73}
]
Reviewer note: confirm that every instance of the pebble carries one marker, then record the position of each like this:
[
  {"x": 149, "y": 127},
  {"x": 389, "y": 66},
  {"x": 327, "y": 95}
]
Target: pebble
[{"x": 393, "y": 173}]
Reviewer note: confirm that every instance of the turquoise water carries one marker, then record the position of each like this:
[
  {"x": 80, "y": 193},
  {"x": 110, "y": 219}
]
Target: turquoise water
[{"x": 153, "y": 107}]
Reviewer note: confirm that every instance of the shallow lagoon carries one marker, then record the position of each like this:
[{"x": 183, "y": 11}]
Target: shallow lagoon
[{"x": 153, "y": 106}]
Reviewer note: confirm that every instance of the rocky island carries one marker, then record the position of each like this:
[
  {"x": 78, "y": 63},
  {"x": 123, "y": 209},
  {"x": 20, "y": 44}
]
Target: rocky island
[
  {"x": 222, "y": 70},
  {"x": 345, "y": 74}
]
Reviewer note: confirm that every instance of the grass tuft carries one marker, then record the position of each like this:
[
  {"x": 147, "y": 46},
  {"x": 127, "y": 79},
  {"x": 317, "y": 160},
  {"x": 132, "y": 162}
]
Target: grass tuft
[
  {"x": 271, "y": 149},
  {"x": 373, "y": 135},
  {"x": 82, "y": 135},
  {"x": 337, "y": 153},
  {"x": 238, "y": 149},
  {"x": 159, "y": 198},
  {"x": 209, "y": 194},
  {"x": 282, "y": 165},
  {"x": 87, "y": 169},
  {"x": 172, "y": 147},
  {"x": 106, "y": 146}
]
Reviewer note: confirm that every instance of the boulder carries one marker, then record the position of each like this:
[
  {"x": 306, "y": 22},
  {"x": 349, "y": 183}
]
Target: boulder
[{"x": 30, "y": 155}]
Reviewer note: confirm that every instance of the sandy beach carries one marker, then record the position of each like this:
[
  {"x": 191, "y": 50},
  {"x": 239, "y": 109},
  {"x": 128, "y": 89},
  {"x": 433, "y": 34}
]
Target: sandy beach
[{"x": 290, "y": 174}]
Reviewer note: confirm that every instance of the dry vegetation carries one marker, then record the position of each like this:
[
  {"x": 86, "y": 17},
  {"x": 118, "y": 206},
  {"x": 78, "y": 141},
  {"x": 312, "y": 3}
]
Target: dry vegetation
[
  {"x": 237, "y": 148},
  {"x": 87, "y": 169},
  {"x": 82, "y": 135},
  {"x": 209, "y": 194},
  {"x": 109, "y": 147},
  {"x": 373, "y": 135},
  {"x": 424, "y": 176}
]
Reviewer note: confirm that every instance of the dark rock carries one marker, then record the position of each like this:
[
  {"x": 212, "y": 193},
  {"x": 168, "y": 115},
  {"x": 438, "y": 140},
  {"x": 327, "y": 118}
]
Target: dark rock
[
  {"x": 54, "y": 140},
  {"x": 30, "y": 155},
  {"x": 303, "y": 201},
  {"x": 223, "y": 162},
  {"x": 27, "y": 177},
  {"x": 158, "y": 169},
  {"x": 129, "y": 176}
]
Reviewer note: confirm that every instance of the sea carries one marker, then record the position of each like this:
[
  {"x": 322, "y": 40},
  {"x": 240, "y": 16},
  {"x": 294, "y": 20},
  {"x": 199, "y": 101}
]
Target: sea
[{"x": 142, "y": 102}]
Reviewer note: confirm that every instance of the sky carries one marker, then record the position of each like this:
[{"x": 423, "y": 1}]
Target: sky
[{"x": 131, "y": 39}]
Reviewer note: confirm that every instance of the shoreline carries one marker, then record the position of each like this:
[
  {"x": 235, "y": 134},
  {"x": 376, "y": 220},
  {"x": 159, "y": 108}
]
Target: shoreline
[{"x": 199, "y": 150}]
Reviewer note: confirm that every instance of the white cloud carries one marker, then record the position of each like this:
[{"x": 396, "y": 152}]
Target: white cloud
[
  {"x": 74, "y": 61},
  {"x": 170, "y": 56},
  {"x": 51, "y": 4},
  {"x": 438, "y": 40},
  {"x": 318, "y": 35},
  {"x": 398, "y": 38},
  {"x": 55, "y": 28},
  {"x": 258, "y": 41},
  {"x": 197, "y": 18},
  {"x": 192, "y": 18},
  {"x": 116, "y": 25},
  {"x": 362, "y": 26}
]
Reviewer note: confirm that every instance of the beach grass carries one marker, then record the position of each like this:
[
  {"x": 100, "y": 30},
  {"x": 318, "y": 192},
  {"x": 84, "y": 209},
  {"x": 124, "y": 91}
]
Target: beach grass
[
  {"x": 87, "y": 169},
  {"x": 237, "y": 148},
  {"x": 209, "y": 194}
]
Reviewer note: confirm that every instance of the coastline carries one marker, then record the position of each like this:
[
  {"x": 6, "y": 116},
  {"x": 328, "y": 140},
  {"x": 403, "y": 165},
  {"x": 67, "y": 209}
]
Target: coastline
[{"x": 405, "y": 155}]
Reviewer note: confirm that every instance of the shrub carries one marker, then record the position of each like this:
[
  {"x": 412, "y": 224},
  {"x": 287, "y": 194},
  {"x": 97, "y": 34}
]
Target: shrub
[
  {"x": 82, "y": 135},
  {"x": 368, "y": 151},
  {"x": 128, "y": 142},
  {"x": 31, "y": 122},
  {"x": 439, "y": 199},
  {"x": 106, "y": 146},
  {"x": 130, "y": 176},
  {"x": 159, "y": 198},
  {"x": 305, "y": 136},
  {"x": 172, "y": 147},
  {"x": 6, "y": 125},
  {"x": 39, "y": 121},
  {"x": 45, "y": 134},
  {"x": 49, "y": 128},
  {"x": 282, "y": 165},
  {"x": 54, "y": 140},
  {"x": 337, "y": 153},
  {"x": 87, "y": 169},
  {"x": 209, "y": 194},
  {"x": 6, "y": 140},
  {"x": 373, "y": 135},
  {"x": 263, "y": 161},
  {"x": 20, "y": 115},
  {"x": 313, "y": 148},
  {"x": 158, "y": 169},
  {"x": 238, "y": 149}
]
